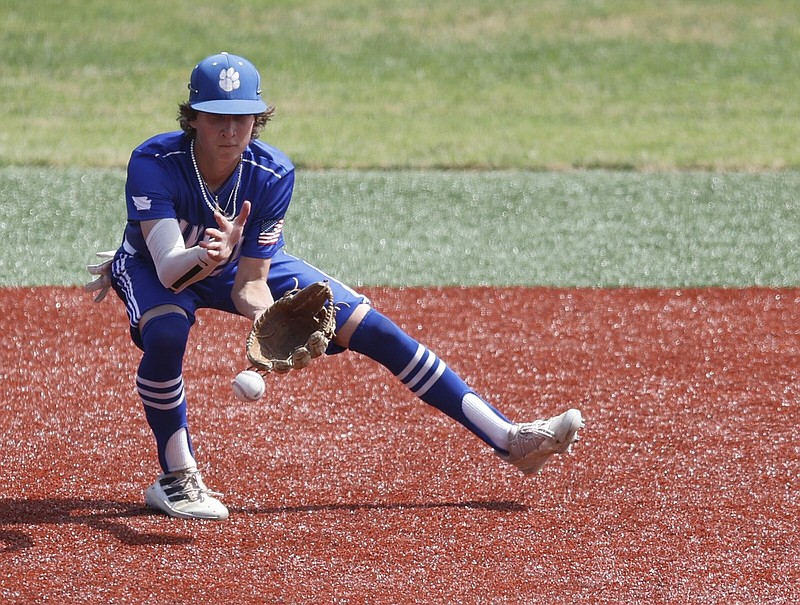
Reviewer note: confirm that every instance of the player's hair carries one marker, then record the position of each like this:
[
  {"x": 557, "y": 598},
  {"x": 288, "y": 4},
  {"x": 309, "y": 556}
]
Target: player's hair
[{"x": 186, "y": 114}]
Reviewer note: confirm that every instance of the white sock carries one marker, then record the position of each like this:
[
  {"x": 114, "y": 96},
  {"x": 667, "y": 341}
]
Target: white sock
[
  {"x": 177, "y": 453},
  {"x": 487, "y": 419}
]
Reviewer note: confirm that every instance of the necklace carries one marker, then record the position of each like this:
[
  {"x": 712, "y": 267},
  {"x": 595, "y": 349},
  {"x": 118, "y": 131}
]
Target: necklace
[{"x": 207, "y": 192}]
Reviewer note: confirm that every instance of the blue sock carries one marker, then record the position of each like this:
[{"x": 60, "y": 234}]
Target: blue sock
[
  {"x": 160, "y": 379},
  {"x": 426, "y": 376}
]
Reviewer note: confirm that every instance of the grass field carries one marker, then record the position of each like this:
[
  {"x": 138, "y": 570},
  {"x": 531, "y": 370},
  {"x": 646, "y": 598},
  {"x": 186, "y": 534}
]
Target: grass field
[
  {"x": 582, "y": 228},
  {"x": 380, "y": 84},
  {"x": 520, "y": 86},
  {"x": 421, "y": 91}
]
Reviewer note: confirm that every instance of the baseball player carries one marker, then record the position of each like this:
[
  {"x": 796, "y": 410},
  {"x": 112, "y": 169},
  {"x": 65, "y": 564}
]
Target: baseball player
[{"x": 206, "y": 207}]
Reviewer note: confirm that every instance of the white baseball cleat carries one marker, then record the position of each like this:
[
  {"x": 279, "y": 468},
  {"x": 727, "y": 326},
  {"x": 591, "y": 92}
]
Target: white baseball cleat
[
  {"x": 183, "y": 494},
  {"x": 531, "y": 444}
]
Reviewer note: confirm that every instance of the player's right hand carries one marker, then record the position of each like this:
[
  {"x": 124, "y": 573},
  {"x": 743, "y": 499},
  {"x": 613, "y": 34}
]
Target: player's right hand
[{"x": 222, "y": 241}]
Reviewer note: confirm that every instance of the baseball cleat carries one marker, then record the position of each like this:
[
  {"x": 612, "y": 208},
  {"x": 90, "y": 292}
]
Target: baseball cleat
[
  {"x": 183, "y": 494},
  {"x": 531, "y": 444}
]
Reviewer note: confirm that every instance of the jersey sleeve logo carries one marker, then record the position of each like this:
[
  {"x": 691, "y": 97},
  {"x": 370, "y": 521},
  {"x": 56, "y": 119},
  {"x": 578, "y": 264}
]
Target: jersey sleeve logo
[
  {"x": 142, "y": 202},
  {"x": 270, "y": 232}
]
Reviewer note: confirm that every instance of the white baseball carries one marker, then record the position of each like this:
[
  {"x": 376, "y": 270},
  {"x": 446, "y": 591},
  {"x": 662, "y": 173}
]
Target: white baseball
[{"x": 248, "y": 386}]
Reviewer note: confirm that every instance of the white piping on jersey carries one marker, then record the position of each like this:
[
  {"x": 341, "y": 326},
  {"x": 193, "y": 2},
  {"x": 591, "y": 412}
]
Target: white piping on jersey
[
  {"x": 363, "y": 298},
  {"x": 127, "y": 247},
  {"x": 191, "y": 237},
  {"x": 267, "y": 168},
  {"x": 256, "y": 164},
  {"x": 127, "y": 287},
  {"x": 166, "y": 155}
]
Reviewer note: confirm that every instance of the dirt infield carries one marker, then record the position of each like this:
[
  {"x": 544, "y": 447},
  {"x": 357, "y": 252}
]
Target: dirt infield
[{"x": 344, "y": 489}]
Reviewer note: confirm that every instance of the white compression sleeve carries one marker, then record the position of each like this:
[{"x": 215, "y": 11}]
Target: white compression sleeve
[{"x": 176, "y": 265}]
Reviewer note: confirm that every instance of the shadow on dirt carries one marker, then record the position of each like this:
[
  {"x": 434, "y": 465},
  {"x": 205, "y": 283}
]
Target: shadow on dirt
[
  {"x": 109, "y": 517},
  {"x": 104, "y": 515},
  {"x": 503, "y": 506}
]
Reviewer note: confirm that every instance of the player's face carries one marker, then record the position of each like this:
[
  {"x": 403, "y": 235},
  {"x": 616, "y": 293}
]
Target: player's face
[{"x": 222, "y": 136}]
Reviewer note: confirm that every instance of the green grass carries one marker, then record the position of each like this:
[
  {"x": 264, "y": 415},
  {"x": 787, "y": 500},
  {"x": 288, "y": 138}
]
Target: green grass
[
  {"x": 684, "y": 111},
  {"x": 577, "y": 228},
  {"x": 411, "y": 84}
]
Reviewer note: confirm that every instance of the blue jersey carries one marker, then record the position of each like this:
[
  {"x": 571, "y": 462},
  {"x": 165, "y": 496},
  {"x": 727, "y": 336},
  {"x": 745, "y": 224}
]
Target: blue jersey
[{"x": 162, "y": 183}]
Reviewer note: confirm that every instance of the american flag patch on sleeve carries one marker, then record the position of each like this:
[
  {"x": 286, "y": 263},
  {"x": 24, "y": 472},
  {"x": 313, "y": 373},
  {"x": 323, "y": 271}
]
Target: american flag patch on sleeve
[{"x": 270, "y": 232}]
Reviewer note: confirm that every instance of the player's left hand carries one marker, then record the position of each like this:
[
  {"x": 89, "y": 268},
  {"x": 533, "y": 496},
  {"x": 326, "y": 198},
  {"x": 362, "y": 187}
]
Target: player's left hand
[
  {"x": 103, "y": 272},
  {"x": 222, "y": 241}
]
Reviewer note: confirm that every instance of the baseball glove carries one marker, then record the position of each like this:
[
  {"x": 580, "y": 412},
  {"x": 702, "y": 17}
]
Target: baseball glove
[{"x": 293, "y": 331}]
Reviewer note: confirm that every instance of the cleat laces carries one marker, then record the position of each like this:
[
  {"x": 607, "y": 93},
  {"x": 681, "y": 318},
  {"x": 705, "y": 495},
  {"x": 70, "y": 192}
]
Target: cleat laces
[{"x": 188, "y": 486}]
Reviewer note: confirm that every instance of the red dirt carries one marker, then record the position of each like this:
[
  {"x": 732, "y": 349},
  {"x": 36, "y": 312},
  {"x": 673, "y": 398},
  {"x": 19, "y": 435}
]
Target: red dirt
[{"x": 344, "y": 489}]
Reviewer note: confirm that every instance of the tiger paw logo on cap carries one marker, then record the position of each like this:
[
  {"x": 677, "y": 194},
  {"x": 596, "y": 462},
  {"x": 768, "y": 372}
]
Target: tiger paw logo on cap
[
  {"x": 226, "y": 85},
  {"x": 229, "y": 79}
]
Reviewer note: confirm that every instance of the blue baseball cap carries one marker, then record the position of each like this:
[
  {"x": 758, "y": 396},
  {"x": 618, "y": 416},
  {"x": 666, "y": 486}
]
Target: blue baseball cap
[{"x": 226, "y": 84}]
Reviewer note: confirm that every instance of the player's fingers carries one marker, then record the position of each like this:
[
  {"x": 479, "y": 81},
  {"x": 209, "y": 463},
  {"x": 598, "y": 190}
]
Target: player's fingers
[
  {"x": 101, "y": 285},
  {"x": 221, "y": 221},
  {"x": 242, "y": 218},
  {"x": 213, "y": 235},
  {"x": 93, "y": 285},
  {"x": 101, "y": 295},
  {"x": 99, "y": 269}
]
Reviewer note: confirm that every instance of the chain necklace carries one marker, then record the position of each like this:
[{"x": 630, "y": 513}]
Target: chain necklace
[{"x": 207, "y": 192}]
